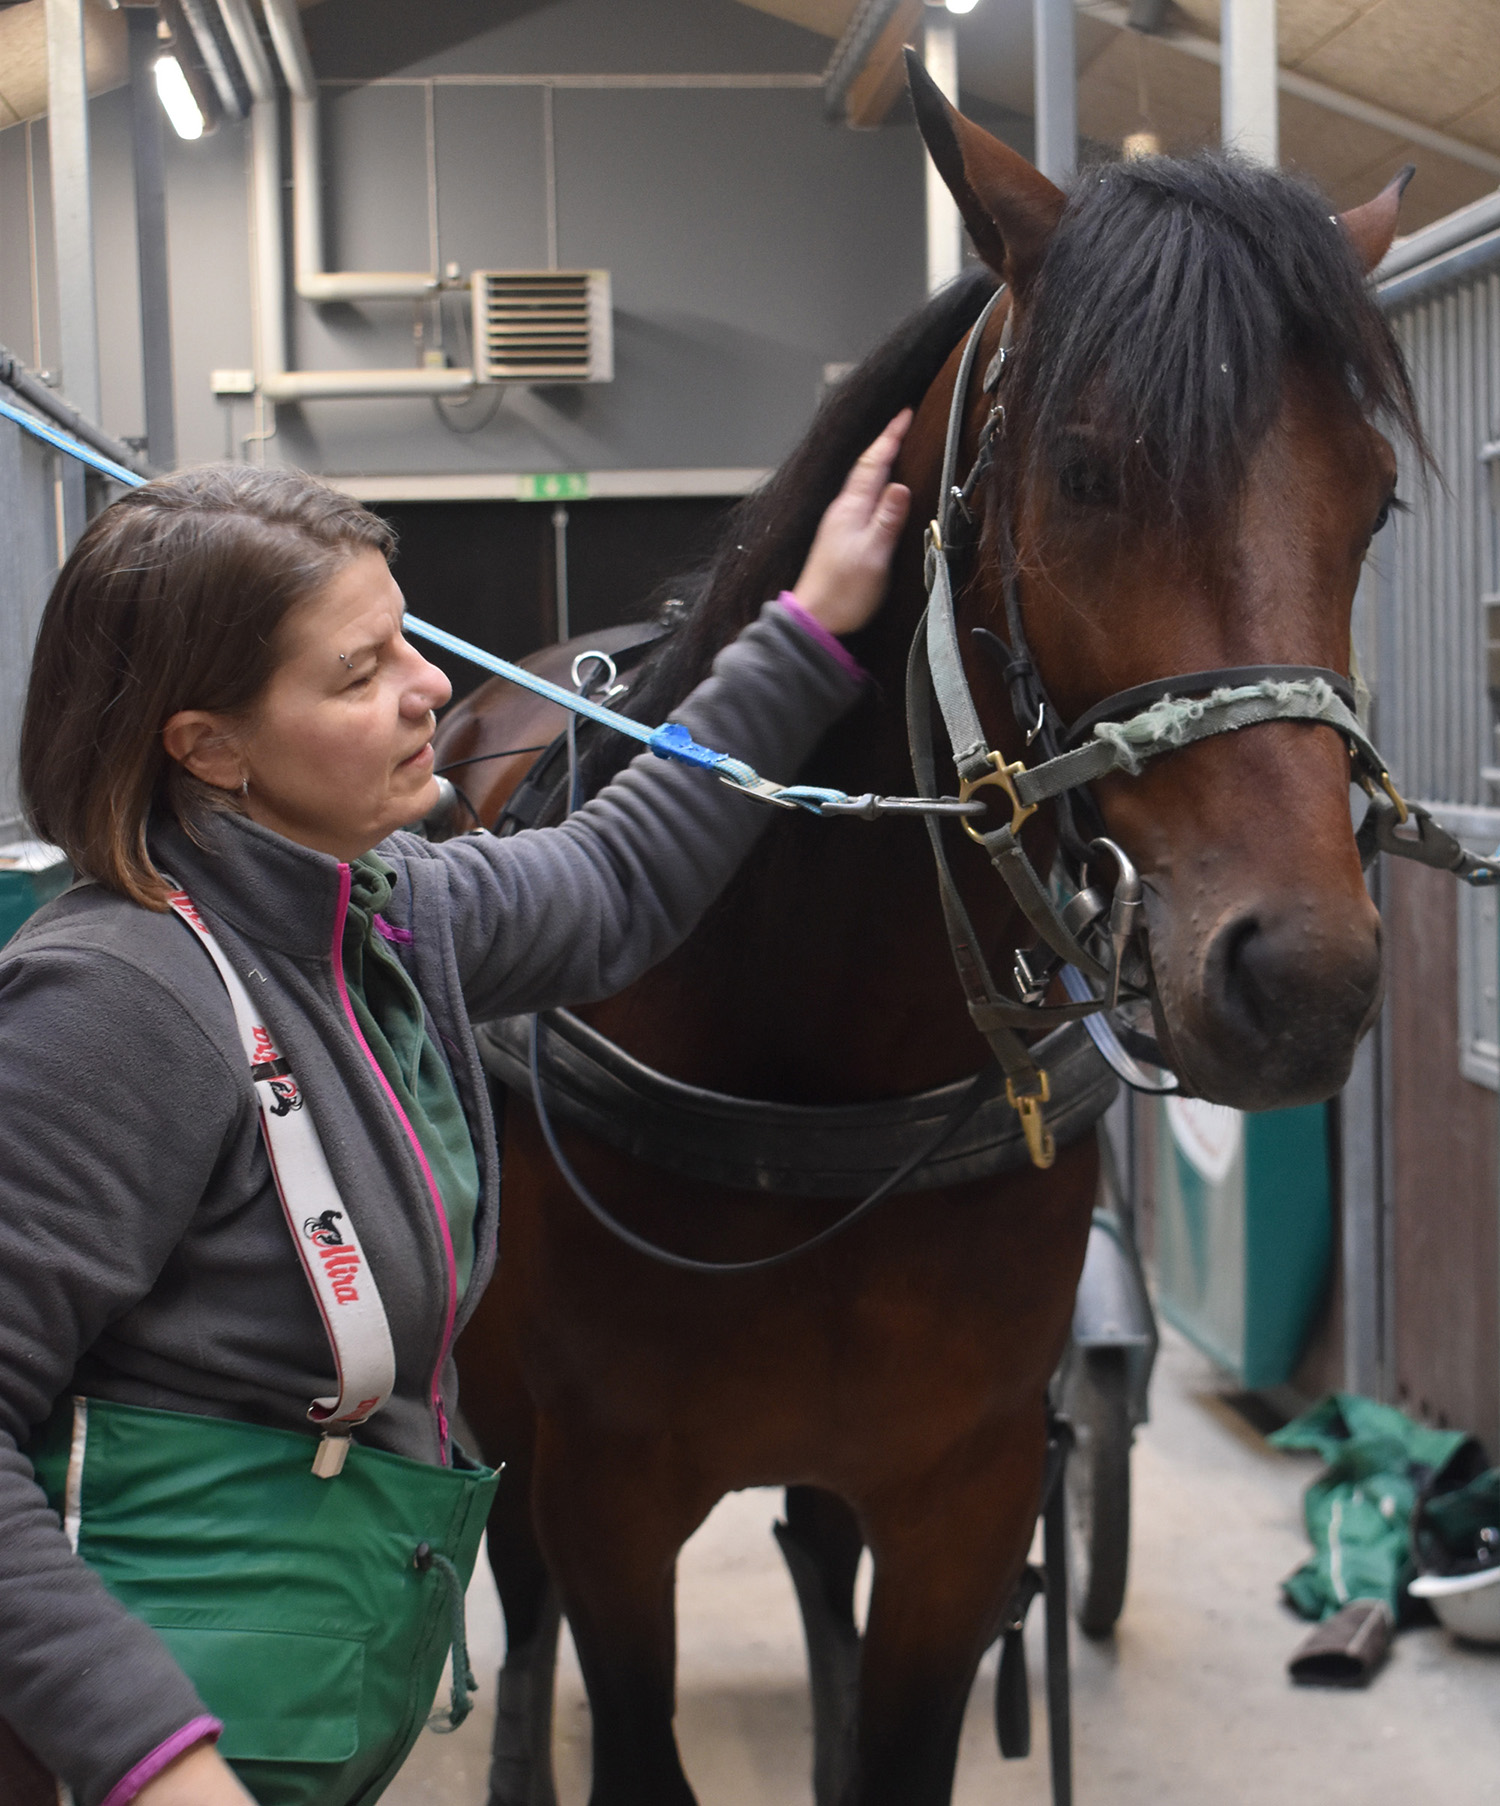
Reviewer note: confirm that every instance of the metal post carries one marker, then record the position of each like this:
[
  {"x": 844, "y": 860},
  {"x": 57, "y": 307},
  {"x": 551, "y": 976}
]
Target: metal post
[
  {"x": 1248, "y": 104},
  {"x": 151, "y": 241},
  {"x": 560, "y": 572},
  {"x": 945, "y": 228},
  {"x": 1055, "y": 1566},
  {"x": 1055, "y": 77},
  {"x": 1362, "y": 1225},
  {"x": 72, "y": 210}
]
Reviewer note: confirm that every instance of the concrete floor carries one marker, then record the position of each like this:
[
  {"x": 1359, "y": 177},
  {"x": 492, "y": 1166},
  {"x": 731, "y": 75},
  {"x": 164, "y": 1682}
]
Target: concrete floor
[{"x": 1188, "y": 1704}]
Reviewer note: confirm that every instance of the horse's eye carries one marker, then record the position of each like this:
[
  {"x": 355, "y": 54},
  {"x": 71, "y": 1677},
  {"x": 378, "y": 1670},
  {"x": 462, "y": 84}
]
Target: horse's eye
[
  {"x": 1383, "y": 516},
  {"x": 1088, "y": 482}
]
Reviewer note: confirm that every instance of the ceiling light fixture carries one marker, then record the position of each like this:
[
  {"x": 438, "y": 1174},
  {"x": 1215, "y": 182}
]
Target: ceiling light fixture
[
  {"x": 961, "y": 6},
  {"x": 177, "y": 98}
]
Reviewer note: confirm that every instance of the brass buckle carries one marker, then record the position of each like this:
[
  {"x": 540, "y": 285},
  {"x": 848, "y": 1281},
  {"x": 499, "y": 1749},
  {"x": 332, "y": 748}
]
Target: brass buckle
[
  {"x": 1039, "y": 1142},
  {"x": 1005, "y": 776}
]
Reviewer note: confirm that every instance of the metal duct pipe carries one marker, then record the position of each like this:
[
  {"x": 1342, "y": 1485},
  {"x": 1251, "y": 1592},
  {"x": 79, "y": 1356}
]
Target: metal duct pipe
[
  {"x": 1457, "y": 263},
  {"x": 35, "y": 393},
  {"x": 1248, "y": 109},
  {"x": 276, "y": 383},
  {"x": 945, "y": 227},
  {"x": 314, "y": 283},
  {"x": 1445, "y": 234}
]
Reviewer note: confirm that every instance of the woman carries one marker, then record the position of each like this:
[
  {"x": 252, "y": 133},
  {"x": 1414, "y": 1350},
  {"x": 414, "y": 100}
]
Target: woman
[{"x": 223, "y": 710}]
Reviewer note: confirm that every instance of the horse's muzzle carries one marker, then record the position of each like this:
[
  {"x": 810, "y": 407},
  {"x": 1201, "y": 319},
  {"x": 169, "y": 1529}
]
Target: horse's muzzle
[{"x": 1263, "y": 1007}]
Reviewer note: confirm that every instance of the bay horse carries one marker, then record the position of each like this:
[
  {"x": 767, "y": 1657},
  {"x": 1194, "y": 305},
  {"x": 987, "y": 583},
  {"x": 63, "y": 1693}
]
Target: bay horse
[{"x": 1188, "y": 472}]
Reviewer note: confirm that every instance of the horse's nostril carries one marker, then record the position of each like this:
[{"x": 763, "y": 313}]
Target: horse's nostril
[{"x": 1242, "y": 960}]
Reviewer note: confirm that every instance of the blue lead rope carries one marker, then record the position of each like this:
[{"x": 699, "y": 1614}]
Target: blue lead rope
[{"x": 670, "y": 742}]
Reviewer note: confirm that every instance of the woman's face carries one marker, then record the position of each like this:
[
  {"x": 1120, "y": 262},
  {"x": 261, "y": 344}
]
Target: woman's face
[{"x": 338, "y": 747}]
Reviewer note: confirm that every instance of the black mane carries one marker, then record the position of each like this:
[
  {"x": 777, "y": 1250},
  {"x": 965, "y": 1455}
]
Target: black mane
[
  {"x": 768, "y": 534},
  {"x": 1171, "y": 298}
]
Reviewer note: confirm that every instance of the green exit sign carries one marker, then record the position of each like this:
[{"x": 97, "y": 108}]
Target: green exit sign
[{"x": 554, "y": 486}]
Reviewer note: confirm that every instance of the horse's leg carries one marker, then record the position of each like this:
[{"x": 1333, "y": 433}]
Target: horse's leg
[
  {"x": 500, "y": 1416},
  {"x": 821, "y": 1541},
  {"x": 521, "y": 1753},
  {"x": 612, "y": 1517},
  {"x": 948, "y": 1546}
]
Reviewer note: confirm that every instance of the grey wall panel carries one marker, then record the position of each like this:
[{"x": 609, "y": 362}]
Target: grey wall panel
[
  {"x": 750, "y": 242},
  {"x": 117, "y": 276},
  {"x": 375, "y": 179},
  {"x": 28, "y": 563},
  {"x": 15, "y": 250},
  {"x": 208, "y": 248},
  {"x": 46, "y": 264},
  {"x": 492, "y": 210}
]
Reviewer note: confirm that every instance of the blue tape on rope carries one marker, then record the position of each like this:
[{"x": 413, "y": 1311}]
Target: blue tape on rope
[
  {"x": 674, "y": 742},
  {"x": 75, "y": 448}
]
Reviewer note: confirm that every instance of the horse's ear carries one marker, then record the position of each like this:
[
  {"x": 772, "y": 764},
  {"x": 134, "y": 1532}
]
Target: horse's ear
[
  {"x": 1009, "y": 207},
  {"x": 1372, "y": 226}
]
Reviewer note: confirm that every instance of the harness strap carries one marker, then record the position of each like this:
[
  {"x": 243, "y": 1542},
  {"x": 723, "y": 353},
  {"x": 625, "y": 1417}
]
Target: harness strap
[
  {"x": 1177, "y": 721},
  {"x": 1190, "y": 683},
  {"x": 321, "y": 1227},
  {"x": 993, "y": 1015},
  {"x": 966, "y": 733},
  {"x": 984, "y": 1085}
]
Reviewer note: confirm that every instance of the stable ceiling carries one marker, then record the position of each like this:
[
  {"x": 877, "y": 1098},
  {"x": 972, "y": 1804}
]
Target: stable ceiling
[{"x": 1436, "y": 62}]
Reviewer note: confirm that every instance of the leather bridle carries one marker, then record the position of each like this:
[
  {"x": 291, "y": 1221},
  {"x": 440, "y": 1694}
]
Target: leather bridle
[{"x": 1086, "y": 938}]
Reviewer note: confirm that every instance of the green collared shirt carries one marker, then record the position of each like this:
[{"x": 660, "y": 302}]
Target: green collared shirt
[{"x": 388, "y": 1008}]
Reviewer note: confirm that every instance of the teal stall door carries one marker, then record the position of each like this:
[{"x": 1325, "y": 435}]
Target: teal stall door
[
  {"x": 31, "y": 874},
  {"x": 1244, "y": 1231}
]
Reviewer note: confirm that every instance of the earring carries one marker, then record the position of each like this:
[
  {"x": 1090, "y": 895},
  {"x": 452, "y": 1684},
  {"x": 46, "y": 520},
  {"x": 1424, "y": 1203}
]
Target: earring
[{"x": 245, "y": 785}]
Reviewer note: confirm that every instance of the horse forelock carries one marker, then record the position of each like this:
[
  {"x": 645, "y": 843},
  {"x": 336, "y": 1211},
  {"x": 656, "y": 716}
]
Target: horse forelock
[{"x": 1173, "y": 298}]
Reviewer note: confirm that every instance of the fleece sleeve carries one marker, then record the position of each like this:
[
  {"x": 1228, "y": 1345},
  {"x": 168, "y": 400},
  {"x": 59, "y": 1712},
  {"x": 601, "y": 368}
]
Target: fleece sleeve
[
  {"x": 569, "y": 914},
  {"x": 96, "y": 1064}
]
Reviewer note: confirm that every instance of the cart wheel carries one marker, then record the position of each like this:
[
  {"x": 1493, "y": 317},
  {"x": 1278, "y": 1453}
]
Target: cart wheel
[{"x": 1098, "y": 1488}]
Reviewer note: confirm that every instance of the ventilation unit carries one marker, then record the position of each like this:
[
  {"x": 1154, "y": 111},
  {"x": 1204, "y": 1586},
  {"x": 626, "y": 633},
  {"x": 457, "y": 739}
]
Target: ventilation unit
[{"x": 543, "y": 326}]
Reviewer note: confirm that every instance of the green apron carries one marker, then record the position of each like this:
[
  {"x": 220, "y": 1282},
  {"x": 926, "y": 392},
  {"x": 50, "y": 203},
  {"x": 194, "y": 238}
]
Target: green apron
[{"x": 313, "y": 1616}]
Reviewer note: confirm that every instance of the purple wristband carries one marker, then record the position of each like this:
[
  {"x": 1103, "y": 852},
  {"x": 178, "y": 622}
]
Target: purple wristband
[
  {"x": 815, "y": 629},
  {"x": 196, "y": 1730}
]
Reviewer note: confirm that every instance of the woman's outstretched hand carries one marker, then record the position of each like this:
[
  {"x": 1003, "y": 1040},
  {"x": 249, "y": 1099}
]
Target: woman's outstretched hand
[{"x": 845, "y": 577}]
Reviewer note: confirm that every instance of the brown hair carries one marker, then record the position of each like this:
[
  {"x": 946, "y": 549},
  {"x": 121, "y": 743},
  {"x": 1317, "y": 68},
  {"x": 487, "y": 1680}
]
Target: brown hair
[{"x": 170, "y": 600}]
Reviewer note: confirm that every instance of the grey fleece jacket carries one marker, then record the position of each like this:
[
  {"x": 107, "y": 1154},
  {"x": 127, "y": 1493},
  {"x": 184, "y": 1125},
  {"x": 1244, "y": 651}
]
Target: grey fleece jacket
[{"x": 143, "y": 1253}]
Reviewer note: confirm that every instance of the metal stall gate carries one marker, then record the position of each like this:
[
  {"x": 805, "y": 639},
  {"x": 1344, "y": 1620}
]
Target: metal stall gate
[
  {"x": 1421, "y": 1222},
  {"x": 28, "y": 562},
  {"x": 42, "y": 491}
]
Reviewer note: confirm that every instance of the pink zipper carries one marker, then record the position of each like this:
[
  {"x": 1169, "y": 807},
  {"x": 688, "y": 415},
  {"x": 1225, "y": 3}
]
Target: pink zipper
[{"x": 340, "y": 918}]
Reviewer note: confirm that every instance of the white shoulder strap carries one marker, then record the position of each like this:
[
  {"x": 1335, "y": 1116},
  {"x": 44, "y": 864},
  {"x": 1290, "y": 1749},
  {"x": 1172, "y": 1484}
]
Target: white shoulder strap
[{"x": 318, "y": 1218}]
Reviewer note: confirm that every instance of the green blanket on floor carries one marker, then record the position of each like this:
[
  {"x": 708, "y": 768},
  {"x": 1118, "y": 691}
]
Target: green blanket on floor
[{"x": 1358, "y": 1511}]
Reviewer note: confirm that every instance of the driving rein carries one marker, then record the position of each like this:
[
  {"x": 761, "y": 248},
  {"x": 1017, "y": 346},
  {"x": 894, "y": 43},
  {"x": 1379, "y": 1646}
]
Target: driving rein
[{"x": 1039, "y": 1094}]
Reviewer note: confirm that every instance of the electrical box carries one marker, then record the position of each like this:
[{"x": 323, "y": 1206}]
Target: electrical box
[{"x": 543, "y": 326}]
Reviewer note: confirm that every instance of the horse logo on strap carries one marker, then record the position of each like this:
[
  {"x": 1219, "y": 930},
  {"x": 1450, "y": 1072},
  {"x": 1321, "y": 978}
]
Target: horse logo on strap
[
  {"x": 323, "y": 1230},
  {"x": 288, "y": 1096}
]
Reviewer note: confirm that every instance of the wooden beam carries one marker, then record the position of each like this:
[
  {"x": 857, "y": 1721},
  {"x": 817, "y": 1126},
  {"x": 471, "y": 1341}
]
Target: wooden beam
[{"x": 873, "y": 91}]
